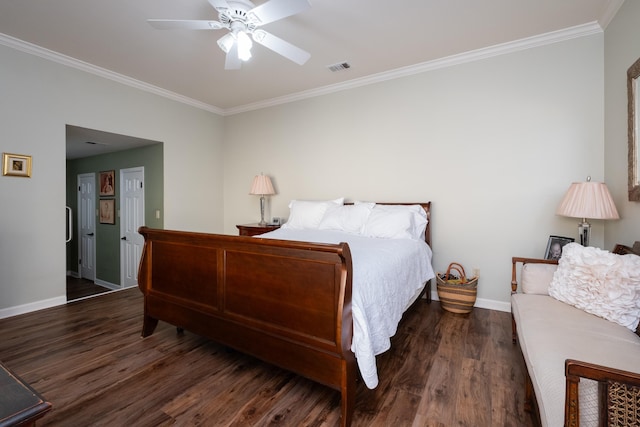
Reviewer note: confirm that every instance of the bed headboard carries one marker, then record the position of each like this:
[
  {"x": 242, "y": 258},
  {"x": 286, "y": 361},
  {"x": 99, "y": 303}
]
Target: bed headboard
[{"x": 427, "y": 208}]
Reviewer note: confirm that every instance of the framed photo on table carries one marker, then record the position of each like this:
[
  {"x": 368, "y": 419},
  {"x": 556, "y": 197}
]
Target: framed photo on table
[
  {"x": 555, "y": 245},
  {"x": 107, "y": 183}
]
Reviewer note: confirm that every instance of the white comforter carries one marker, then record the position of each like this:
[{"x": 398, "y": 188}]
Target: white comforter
[{"x": 387, "y": 273}]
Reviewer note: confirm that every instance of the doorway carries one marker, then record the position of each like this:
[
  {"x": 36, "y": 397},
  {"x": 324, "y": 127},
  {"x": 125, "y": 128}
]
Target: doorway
[
  {"x": 86, "y": 226},
  {"x": 131, "y": 218},
  {"x": 91, "y": 152}
]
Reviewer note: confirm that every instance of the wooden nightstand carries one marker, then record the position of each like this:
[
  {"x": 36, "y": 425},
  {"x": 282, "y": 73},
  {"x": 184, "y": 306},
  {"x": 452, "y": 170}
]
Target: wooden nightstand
[{"x": 255, "y": 229}]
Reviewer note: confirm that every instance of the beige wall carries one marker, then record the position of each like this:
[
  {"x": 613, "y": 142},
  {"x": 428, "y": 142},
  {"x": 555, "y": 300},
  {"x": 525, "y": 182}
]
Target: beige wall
[
  {"x": 39, "y": 98},
  {"x": 494, "y": 144},
  {"x": 622, "y": 48}
]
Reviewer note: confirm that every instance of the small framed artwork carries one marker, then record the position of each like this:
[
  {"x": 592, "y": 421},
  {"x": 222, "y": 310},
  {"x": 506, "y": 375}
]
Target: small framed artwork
[
  {"x": 16, "y": 165},
  {"x": 555, "y": 245},
  {"x": 107, "y": 183},
  {"x": 107, "y": 211}
]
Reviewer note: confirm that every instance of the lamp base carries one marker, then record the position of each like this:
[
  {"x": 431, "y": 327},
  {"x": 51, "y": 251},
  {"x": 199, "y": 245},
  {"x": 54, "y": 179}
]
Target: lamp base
[
  {"x": 262, "y": 222},
  {"x": 584, "y": 231}
]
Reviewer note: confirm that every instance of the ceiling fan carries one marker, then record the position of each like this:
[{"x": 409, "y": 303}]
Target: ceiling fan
[{"x": 243, "y": 19}]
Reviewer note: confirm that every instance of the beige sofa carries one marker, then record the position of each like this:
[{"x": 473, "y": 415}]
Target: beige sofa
[{"x": 568, "y": 351}]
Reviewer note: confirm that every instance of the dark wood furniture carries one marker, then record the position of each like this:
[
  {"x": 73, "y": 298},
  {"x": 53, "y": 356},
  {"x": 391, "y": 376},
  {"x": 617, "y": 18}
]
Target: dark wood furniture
[
  {"x": 255, "y": 229},
  {"x": 618, "y": 394},
  {"x": 285, "y": 302},
  {"x": 20, "y": 405}
]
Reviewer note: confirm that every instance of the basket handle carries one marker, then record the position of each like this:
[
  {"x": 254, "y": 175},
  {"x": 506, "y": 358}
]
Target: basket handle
[{"x": 456, "y": 267}]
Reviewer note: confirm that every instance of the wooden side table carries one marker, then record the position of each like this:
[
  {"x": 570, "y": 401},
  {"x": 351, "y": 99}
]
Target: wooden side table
[
  {"x": 255, "y": 229},
  {"x": 19, "y": 403}
]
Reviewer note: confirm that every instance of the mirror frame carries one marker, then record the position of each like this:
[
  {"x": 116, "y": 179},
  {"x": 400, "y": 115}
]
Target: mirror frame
[{"x": 633, "y": 74}]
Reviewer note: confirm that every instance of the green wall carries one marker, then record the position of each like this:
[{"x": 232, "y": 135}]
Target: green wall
[{"x": 108, "y": 235}]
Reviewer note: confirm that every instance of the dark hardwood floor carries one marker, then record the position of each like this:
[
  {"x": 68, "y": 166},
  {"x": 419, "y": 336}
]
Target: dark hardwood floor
[
  {"x": 88, "y": 359},
  {"x": 78, "y": 288}
]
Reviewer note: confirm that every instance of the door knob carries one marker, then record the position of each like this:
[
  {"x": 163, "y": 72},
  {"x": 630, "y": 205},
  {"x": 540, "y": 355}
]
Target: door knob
[
  {"x": 90, "y": 234},
  {"x": 123, "y": 238}
]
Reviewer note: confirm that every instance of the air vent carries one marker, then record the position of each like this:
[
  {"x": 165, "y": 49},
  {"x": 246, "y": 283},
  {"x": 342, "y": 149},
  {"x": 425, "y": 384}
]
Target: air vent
[{"x": 339, "y": 67}]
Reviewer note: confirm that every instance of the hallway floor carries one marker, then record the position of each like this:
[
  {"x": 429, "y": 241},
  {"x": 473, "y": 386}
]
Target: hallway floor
[{"x": 82, "y": 288}]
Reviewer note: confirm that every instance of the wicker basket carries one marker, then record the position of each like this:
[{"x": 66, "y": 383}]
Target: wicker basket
[{"x": 456, "y": 294}]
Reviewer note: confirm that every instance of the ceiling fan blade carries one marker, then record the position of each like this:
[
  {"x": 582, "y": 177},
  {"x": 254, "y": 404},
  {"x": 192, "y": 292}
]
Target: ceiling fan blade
[
  {"x": 232, "y": 62},
  {"x": 277, "y": 9},
  {"x": 188, "y": 24},
  {"x": 219, "y": 4},
  {"x": 282, "y": 47}
]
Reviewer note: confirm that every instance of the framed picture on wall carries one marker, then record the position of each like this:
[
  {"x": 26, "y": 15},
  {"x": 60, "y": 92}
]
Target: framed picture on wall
[
  {"x": 16, "y": 165},
  {"x": 555, "y": 245},
  {"x": 108, "y": 183},
  {"x": 107, "y": 211}
]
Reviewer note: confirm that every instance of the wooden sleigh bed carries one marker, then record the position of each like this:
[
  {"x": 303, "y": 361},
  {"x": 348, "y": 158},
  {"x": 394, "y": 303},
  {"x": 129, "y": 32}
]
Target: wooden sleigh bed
[{"x": 288, "y": 303}]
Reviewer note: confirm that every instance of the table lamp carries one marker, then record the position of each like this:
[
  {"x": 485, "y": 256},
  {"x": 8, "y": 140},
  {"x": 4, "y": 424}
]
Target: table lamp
[
  {"x": 587, "y": 200},
  {"x": 262, "y": 186}
]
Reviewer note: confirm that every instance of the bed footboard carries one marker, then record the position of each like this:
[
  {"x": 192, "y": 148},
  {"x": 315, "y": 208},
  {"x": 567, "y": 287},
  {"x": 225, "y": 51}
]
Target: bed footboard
[{"x": 287, "y": 303}]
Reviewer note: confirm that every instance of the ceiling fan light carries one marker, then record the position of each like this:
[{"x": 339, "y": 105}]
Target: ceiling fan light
[
  {"x": 244, "y": 46},
  {"x": 226, "y": 42}
]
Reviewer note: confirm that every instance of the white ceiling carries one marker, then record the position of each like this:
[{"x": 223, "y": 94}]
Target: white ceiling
[
  {"x": 82, "y": 142},
  {"x": 377, "y": 38}
]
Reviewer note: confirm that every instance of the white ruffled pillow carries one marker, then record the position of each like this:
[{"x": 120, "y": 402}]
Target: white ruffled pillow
[
  {"x": 349, "y": 218},
  {"x": 396, "y": 222},
  {"x": 307, "y": 214},
  {"x": 599, "y": 282}
]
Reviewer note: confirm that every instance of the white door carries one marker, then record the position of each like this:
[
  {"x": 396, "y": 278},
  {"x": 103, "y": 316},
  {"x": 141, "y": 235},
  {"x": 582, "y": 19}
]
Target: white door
[
  {"x": 131, "y": 218},
  {"x": 87, "y": 225}
]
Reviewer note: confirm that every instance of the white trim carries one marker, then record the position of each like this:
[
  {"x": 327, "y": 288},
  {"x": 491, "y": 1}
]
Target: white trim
[
  {"x": 449, "y": 61},
  {"x": 36, "y": 50},
  {"x": 109, "y": 285},
  {"x": 32, "y": 306},
  {"x": 609, "y": 11}
]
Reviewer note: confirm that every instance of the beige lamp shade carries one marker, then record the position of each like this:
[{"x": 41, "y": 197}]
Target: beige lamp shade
[
  {"x": 588, "y": 200},
  {"x": 262, "y": 186}
]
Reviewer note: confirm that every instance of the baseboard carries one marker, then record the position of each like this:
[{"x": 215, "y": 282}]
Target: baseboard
[
  {"x": 73, "y": 274},
  {"x": 106, "y": 284},
  {"x": 483, "y": 303},
  {"x": 33, "y": 306}
]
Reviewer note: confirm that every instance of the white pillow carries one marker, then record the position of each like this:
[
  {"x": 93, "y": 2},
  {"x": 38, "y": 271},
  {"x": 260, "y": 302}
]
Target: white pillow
[
  {"x": 350, "y": 218},
  {"x": 396, "y": 222},
  {"x": 306, "y": 214},
  {"x": 536, "y": 278},
  {"x": 599, "y": 282}
]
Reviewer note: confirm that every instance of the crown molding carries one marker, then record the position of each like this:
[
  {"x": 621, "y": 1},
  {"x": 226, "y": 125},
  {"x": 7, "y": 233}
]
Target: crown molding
[
  {"x": 59, "y": 58},
  {"x": 449, "y": 61},
  {"x": 609, "y": 11}
]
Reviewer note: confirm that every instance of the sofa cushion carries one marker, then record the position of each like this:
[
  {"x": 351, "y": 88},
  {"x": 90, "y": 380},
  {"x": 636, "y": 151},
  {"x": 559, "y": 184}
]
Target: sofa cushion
[
  {"x": 550, "y": 331},
  {"x": 536, "y": 278},
  {"x": 599, "y": 282}
]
